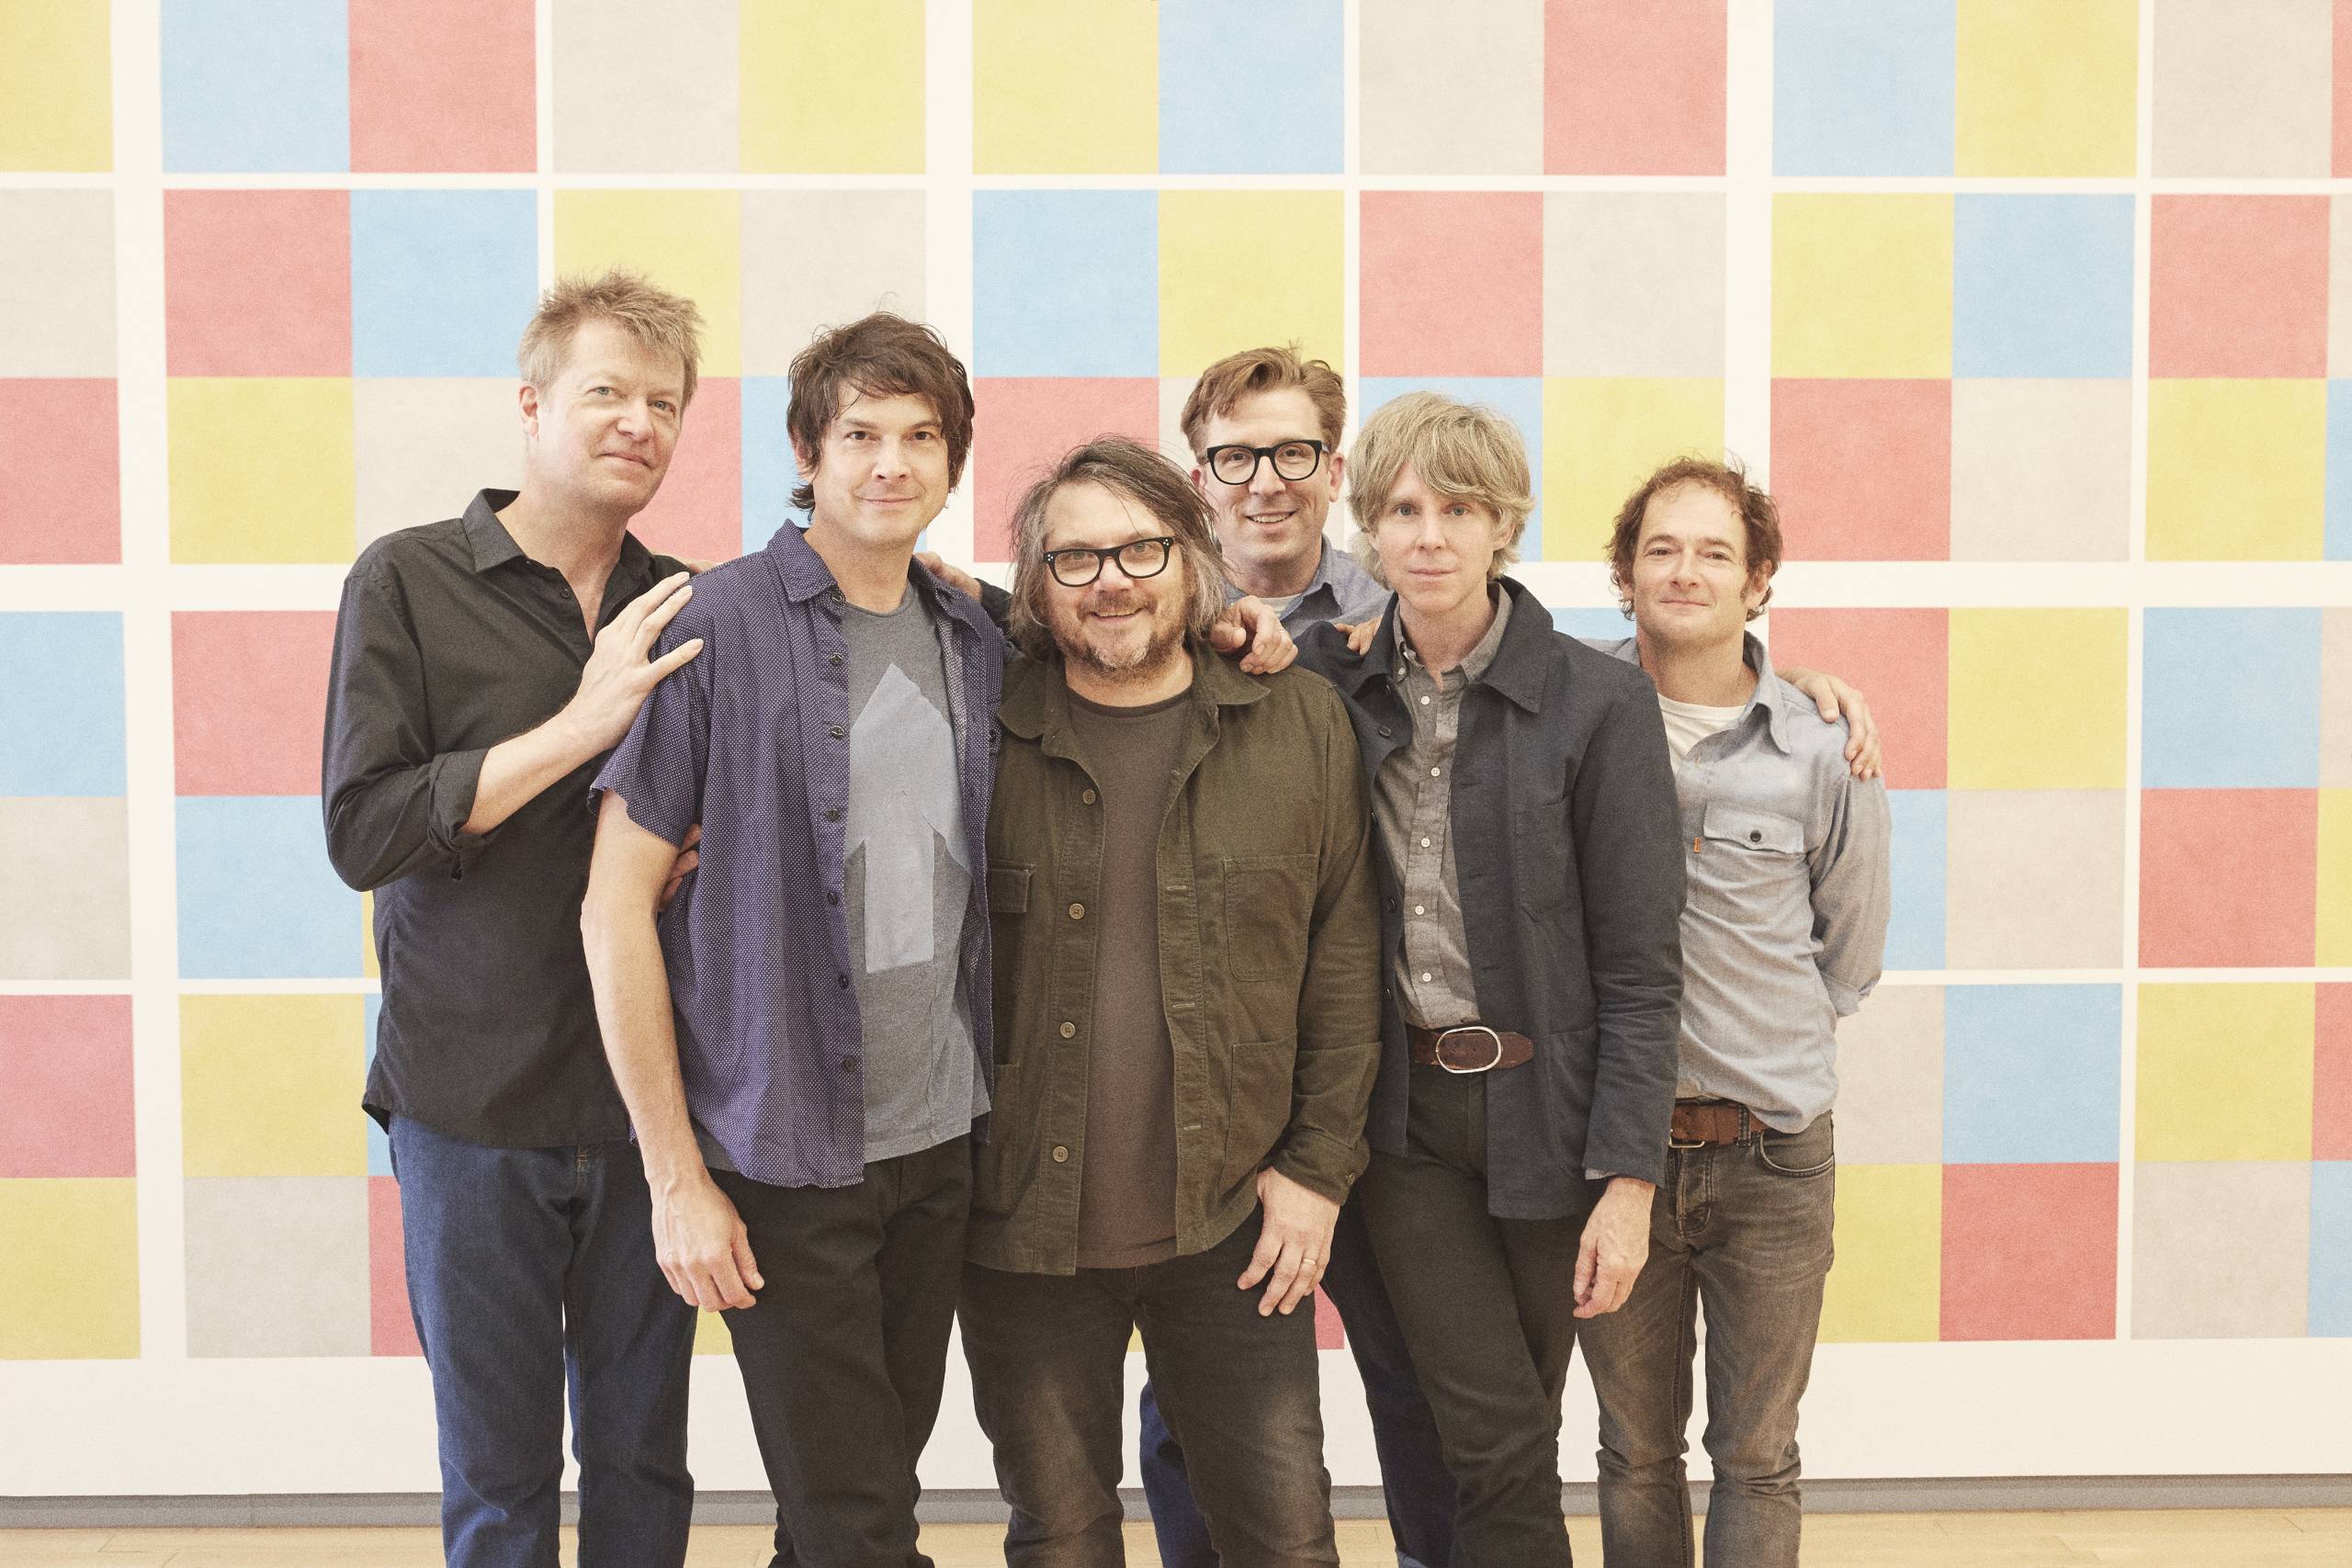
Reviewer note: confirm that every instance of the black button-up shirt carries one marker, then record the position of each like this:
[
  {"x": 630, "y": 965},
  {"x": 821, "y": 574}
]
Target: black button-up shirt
[{"x": 450, "y": 639}]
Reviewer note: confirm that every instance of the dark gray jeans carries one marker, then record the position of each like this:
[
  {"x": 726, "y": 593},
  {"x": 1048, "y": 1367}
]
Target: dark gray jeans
[
  {"x": 1744, "y": 1228},
  {"x": 1049, "y": 1354}
]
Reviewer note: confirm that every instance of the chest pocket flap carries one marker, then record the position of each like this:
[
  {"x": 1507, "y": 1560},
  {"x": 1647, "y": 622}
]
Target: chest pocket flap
[
  {"x": 1008, "y": 890},
  {"x": 1754, "y": 829}
]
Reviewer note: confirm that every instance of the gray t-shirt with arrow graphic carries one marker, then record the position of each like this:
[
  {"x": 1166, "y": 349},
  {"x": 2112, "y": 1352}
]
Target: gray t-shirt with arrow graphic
[{"x": 908, "y": 886}]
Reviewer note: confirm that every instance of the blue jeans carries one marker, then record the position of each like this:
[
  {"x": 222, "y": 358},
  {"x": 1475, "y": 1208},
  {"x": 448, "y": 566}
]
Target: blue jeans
[
  {"x": 529, "y": 1270},
  {"x": 1744, "y": 1228},
  {"x": 1417, "y": 1487}
]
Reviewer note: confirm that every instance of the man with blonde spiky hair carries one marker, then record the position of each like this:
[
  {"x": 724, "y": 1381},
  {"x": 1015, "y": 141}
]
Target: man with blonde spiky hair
[{"x": 483, "y": 667}]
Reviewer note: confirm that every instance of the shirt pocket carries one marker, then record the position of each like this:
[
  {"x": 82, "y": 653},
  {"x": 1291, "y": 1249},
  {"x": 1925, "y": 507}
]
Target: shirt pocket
[
  {"x": 1744, "y": 849},
  {"x": 1269, "y": 902}
]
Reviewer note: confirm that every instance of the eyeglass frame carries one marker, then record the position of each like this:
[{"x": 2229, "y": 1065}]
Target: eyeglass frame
[
  {"x": 1261, "y": 454},
  {"x": 1166, "y": 543}
]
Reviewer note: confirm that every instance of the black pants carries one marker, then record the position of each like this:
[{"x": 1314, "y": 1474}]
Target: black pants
[
  {"x": 1487, "y": 1306},
  {"x": 845, "y": 1351},
  {"x": 1048, "y": 1355}
]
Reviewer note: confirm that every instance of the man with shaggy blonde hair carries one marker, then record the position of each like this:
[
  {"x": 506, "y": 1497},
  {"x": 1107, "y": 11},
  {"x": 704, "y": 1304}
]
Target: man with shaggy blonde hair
[
  {"x": 1466, "y": 452},
  {"x": 483, "y": 667}
]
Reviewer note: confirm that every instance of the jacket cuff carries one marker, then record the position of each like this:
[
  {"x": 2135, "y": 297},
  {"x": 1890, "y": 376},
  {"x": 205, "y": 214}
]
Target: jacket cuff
[
  {"x": 456, "y": 779},
  {"x": 1322, "y": 1163}
]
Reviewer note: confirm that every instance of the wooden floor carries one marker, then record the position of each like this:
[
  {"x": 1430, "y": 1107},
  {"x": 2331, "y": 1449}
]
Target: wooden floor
[{"x": 2237, "y": 1538}]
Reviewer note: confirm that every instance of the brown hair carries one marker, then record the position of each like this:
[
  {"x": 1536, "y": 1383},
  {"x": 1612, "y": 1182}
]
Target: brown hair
[
  {"x": 1129, "y": 468},
  {"x": 880, "y": 355},
  {"x": 664, "y": 322},
  {"x": 1758, "y": 513},
  {"x": 1464, "y": 451},
  {"x": 1238, "y": 376}
]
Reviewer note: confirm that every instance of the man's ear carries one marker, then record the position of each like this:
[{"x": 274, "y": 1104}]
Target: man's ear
[
  {"x": 1338, "y": 463},
  {"x": 1759, "y": 583},
  {"x": 526, "y": 401}
]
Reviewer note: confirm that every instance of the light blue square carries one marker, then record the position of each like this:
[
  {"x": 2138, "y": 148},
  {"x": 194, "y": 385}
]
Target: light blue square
[
  {"x": 1065, "y": 283},
  {"x": 379, "y": 1149},
  {"x": 442, "y": 281},
  {"x": 1602, "y": 628},
  {"x": 2042, "y": 285},
  {"x": 1863, "y": 87},
  {"x": 257, "y": 899},
  {"x": 2033, "y": 1073},
  {"x": 769, "y": 468},
  {"x": 60, "y": 704},
  {"x": 2331, "y": 1309},
  {"x": 1518, "y": 398},
  {"x": 2231, "y": 699},
  {"x": 1915, "y": 932},
  {"x": 2339, "y": 471},
  {"x": 1251, "y": 87},
  {"x": 252, "y": 86}
]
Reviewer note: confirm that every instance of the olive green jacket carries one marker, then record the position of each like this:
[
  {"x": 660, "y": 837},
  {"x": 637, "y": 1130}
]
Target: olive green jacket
[{"x": 1268, "y": 957}]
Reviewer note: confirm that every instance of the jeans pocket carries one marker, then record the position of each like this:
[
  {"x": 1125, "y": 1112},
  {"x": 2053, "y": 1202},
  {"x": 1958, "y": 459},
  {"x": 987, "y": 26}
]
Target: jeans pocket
[{"x": 1807, "y": 1151}]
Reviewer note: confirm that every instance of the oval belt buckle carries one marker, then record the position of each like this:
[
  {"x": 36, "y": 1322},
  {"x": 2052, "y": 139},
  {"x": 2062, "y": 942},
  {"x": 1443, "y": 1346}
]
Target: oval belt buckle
[{"x": 1492, "y": 1062}]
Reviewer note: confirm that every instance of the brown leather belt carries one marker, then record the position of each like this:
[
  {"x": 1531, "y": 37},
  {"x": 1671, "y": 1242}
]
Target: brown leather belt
[
  {"x": 1706, "y": 1123},
  {"x": 1468, "y": 1048}
]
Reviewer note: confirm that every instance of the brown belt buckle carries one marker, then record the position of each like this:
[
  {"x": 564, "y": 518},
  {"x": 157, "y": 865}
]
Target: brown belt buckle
[{"x": 1488, "y": 1066}]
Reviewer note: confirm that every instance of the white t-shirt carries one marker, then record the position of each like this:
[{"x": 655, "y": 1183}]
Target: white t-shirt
[{"x": 1687, "y": 724}]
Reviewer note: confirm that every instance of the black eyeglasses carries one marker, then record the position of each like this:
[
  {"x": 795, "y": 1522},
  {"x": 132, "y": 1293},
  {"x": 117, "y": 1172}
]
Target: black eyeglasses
[
  {"x": 1079, "y": 565},
  {"x": 1292, "y": 460}
]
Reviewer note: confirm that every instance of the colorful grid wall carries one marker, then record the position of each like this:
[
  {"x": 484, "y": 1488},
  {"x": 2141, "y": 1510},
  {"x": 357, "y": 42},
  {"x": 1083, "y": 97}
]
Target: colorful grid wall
[{"x": 2050, "y": 376}]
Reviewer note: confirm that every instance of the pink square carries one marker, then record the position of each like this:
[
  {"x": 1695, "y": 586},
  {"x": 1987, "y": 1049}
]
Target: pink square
[
  {"x": 1863, "y": 469},
  {"x": 65, "y": 1098},
  {"x": 698, "y": 512},
  {"x": 1897, "y": 658},
  {"x": 257, "y": 283},
  {"x": 392, "y": 1328},
  {"x": 2052, "y": 1278},
  {"x": 2331, "y": 1074},
  {"x": 1330, "y": 1333},
  {"x": 249, "y": 700},
  {"x": 2238, "y": 286},
  {"x": 1634, "y": 87},
  {"x": 1453, "y": 283},
  {"x": 443, "y": 85},
  {"x": 2228, "y": 877},
  {"x": 61, "y": 497},
  {"x": 1023, "y": 426}
]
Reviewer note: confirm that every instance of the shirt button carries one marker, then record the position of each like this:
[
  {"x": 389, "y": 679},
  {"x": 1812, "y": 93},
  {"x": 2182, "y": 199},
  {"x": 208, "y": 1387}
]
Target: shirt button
[
  {"x": 1433, "y": 773},
  {"x": 1754, "y": 836},
  {"x": 837, "y": 732},
  {"x": 833, "y": 814},
  {"x": 1077, "y": 912},
  {"x": 849, "y": 1063},
  {"x": 1421, "y": 909},
  {"x": 1425, "y": 843},
  {"x": 1069, "y": 1030},
  {"x": 1385, "y": 732},
  {"x": 832, "y": 897},
  {"x": 835, "y": 658},
  {"x": 1425, "y": 702},
  {"x": 1061, "y": 1154},
  {"x": 835, "y": 596},
  {"x": 842, "y": 981},
  {"x": 1425, "y": 976},
  {"x": 1087, "y": 795}
]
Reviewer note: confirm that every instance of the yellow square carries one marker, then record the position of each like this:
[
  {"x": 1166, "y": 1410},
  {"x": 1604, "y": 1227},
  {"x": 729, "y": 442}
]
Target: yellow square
[
  {"x": 1602, "y": 437},
  {"x": 2334, "y": 878},
  {"x": 711, "y": 1337},
  {"x": 2237, "y": 469},
  {"x": 689, "y": 242},
  {"x": 261, "y": 470},
  {"x": 56, "y": 85},
  {"x": 1241, "y": 268},
  {"x": 1888, "y": 1282},
  {"x": 2036, "y": 699},
  {"x": 2047, "y": 89},
  {"x": 2225, "y": 1072},
  {"x": 269, "y": 1086},
  {"x": 1861, "y": 285},
  {"x": 829, "y": 88},
  {"x": 70, "y": 1289},
  {"x": 1065, "y": 87}
]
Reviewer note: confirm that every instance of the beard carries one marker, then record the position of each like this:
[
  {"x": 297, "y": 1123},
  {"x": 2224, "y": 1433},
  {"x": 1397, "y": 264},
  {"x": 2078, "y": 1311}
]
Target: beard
[{"x": 1134, "y": 660}]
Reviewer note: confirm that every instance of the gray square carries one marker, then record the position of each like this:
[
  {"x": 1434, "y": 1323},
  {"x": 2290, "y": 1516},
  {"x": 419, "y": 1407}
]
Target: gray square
[
  {"x": 1634, "y": 284},
  {"x": 57, "y": 279},
  {"x": 2221, "y": 1250},
  {"x": 2041, "y": 470},
  {"x": 64, "y": 888},
  {"x": 635, "y": 99},
  {"x": 1890, "y": 1078},
  {"x": 421, "y": 448},
  {"x": 2033, "y": 879},
  {"x": 277, "y": 1265},
  {"x": 818, "y": 258},
  {"x": 1453, "y": 89},
  {"x": 2244, "y": 87}
]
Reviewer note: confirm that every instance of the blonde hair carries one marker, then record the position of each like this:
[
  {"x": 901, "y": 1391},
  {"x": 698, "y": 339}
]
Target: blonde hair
[
  {"x": 1130, "y": 469},
  {"x": 1465, "y": 451},
  {"x": 1238, "y": 375},
  {"x": 665, "y": 322}
]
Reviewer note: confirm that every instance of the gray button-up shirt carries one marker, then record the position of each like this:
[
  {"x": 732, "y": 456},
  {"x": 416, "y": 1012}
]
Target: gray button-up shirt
[
  {"x": 1413, "y": 804},
  {"x": 1340, "y": 591},
  {"x": 1784, "y": 923}
]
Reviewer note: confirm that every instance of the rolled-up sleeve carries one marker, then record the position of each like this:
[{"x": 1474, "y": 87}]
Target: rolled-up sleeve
[
  {"x": 394, "y": 806},
  {"x": 1852, "y": 893},
  {"x": 1628, "y": 852},
  {"x": 658, "y": 766}
]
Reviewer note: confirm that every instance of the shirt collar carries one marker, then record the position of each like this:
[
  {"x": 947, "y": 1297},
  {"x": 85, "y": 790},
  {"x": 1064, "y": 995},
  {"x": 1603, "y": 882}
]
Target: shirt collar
[
  {"x": 1475, "y": 663},
  {"x": 1036, "y": 697},
  {"x": 492, "y": 546},
  {"x": 1322, "y": 578},
  {"x": 1772, "y": 694}
]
